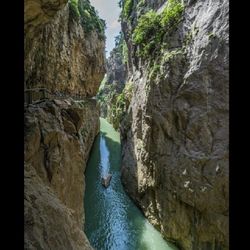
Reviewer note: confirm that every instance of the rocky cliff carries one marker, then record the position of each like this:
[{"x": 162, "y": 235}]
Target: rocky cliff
[
  {"x": 113, "y": 84},
  {"x": 67, "y": 54},
  {"x": 58, "y": 138},
  {"x": 64, "y": 55},
  {"x": 175, "y": 132}
]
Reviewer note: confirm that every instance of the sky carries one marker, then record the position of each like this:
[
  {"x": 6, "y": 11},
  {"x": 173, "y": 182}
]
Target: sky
[{"x": 109, "y": 11}]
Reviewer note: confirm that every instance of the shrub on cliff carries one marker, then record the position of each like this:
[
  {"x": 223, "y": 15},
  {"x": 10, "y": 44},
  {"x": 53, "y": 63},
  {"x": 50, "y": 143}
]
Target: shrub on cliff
[
  {"x": 152, "y": 27},
  {"x": 172, "y": 13},
  {"x": 124, "y": 52},
  {"x": 73, "y": 5},
  {"x": 120, "y": 105},
  {"x": 146, "y": 33},
  {"x": 127, "y": 6},
  {"x": 89, "y": 19}
]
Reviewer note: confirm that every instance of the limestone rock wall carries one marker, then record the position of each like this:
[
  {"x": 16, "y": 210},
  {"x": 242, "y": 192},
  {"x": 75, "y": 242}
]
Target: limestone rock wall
[
  {"x": 61, "y": 56},
  {"x": 39, "y": 12},
  {"x": 116, "y": 68},
  {"x": 114, "y": 81},
  {"x": 58, "y": 137},
  {"x": 175, "y": 135}
]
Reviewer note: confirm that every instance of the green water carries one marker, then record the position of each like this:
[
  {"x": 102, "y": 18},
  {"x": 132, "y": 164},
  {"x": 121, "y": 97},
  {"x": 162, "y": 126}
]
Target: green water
[{"x": 113, "y": 222}]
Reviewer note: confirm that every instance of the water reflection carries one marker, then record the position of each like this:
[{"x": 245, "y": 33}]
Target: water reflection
[{"x": 104, "y": 165}]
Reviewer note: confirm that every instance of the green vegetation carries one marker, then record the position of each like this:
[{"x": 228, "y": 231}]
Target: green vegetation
[
  {"x": 154, "y": 71},
  {"x": 127, "y": 8},
  {"x": 169, "y": 55},
  {"x": 152, "y": 27},
  {"x": 125, "y": 52},
  {"x": 73, "y": 4},
  {"x": 114, "y": 97},
  {"x": 172, "y": 13},
  {"x": 141, "y": 3},
  {"x": 83, "y": 11},
  {"x": 120, "y": 105},
  {"x": 115, "y": 105},
  {"x": 155, "y": 66},
  {"x": 147, "y": 33},
  {"x": 211, "y": 35},
  {"x": 105, "y": 90},
  {"x": 121, "y": 47},
  {"x": 128, "y": 5}
]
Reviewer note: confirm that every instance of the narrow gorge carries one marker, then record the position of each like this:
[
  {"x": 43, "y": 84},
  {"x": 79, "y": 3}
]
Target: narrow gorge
[{"x": 153, "y": 113}]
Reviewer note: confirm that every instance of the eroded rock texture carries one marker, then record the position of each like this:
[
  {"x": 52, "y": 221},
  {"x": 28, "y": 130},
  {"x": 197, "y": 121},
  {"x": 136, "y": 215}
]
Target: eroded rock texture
[
  {"x": 61, "y": 57},
  {"x": 58, "y": 137},
  {"x": 39, "y": 12},
  {"x": 114, "y": 82},
  {"x": 116, "y": 69},
  {"x": 175, "y": 135}
]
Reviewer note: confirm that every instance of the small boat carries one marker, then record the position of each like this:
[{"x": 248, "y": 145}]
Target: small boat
[{"x": 106, "y": 180}]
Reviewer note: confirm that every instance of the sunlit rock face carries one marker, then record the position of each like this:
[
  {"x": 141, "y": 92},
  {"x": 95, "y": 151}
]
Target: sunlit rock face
[
  {"x": 59, "y": 131},
  {"x": 39, "y": 12},
  {"x": 175, "y": 135},
  {"x": 60, "y": 55}
]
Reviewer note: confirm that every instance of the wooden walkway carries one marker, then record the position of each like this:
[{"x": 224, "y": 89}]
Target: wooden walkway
[{"x": 38, "y": 94}]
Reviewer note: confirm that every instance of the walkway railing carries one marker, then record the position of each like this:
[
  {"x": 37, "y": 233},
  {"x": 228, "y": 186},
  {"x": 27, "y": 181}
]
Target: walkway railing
[{"x": 37, "y": 94}]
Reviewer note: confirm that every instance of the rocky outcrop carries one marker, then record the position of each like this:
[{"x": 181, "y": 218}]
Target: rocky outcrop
[
  {"x": 65, "y": 57},
  {"x": 116, "y": 68},
  {"x": 175, "y": 134},
  {"x": 39, "y": 12},
  {"x": 114, "y": 82},
  {"x": 58, "y": 137}
]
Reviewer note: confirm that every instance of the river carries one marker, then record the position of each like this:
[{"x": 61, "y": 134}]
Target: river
[{"x": 112, "y": 221}]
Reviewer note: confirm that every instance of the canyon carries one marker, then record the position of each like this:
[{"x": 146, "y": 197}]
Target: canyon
[{"x": 166, "y": 90}]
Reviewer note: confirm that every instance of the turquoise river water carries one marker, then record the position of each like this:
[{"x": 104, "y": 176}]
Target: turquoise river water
[{"x": 113, "y": 222}]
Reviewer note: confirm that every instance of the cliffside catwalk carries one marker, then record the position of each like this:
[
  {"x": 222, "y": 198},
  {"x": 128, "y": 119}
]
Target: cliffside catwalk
[
  {"x": 64, "y": 65},
  {"x": 164, "y": 88}
]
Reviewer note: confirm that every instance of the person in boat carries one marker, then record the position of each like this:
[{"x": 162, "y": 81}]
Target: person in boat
[{"x": 106, "y": 181}]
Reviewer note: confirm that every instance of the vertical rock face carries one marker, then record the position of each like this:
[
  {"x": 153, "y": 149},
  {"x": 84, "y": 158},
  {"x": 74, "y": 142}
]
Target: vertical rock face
[
  {"x": 114, "y": 82},
  {"x": 58, "y": 138},
  {"x": 175, "y": 134},
  {"x": 61, "y": 56},
  {"x": 116, "y": 69},
  {"x": 39, "y": 12}
]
